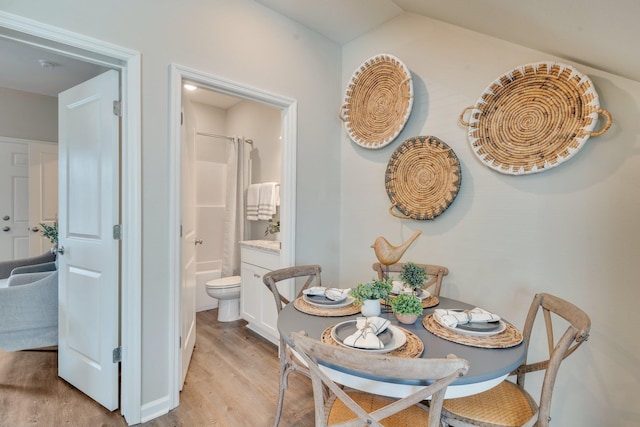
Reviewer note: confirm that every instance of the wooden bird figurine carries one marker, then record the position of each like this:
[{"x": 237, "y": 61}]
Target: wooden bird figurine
[{"x": 388, "y": 254}]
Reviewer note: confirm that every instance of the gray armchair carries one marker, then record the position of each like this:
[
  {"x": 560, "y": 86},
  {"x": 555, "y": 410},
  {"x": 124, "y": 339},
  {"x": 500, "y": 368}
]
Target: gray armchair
[{"x": 28, "y": 306}]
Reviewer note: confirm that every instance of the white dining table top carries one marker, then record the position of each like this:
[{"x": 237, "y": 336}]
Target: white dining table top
[{"x": 487, "y": 367}]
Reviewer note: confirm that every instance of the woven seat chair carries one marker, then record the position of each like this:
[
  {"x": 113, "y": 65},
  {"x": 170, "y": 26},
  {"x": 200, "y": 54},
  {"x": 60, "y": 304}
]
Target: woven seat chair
[
  {"x": 508, "y": 404},
  {"x": 344, "y": 408},
  {"x": 436, "y": 274},
  {"x": 288, "y": 361}
]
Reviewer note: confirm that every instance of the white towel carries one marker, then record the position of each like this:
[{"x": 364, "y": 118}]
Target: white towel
[
  {"x": 268, "y": 200},
  {"x": 253, "y": 200}
]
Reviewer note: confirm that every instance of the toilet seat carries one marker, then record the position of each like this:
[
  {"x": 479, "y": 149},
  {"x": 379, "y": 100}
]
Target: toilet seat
[{"x": 224, "y": 282}]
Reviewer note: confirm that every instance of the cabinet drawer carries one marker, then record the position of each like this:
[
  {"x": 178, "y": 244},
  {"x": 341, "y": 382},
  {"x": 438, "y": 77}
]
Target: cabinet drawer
[{"x": 264, "y": 259}]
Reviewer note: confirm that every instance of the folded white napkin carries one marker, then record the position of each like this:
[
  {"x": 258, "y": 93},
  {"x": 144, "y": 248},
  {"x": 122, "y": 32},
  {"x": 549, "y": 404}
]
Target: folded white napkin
[
  {"x": 453, "y": 318},
  {"x": 367, "y": 334},
  {"x": 334, "y": 294},
  {"x": 399, "y": 287}
]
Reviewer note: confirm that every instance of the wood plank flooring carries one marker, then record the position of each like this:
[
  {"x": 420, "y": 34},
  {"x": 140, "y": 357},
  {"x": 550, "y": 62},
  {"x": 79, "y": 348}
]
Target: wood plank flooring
[{"x": 232, "y": 382}]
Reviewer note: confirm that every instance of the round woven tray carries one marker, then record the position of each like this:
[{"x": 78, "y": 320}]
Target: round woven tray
[
  {"x": 305, "y": 307},
  {"x": 533, "y": 118},
  {"x": 510, "y": 337},
  {"x": 378, "y": 101},
  {"x": 413, "y": 348},
  {"x": 423, "y": 178}
]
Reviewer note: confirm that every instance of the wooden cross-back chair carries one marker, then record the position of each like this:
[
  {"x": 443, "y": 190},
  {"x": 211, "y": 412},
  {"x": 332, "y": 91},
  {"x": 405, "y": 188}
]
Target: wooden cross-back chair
[
  {"x": 435, "y": 272},
  {"x": 350, "y": 408},
  {"x": 288, "y": 361},
  {"x": 508, "y": 404}
]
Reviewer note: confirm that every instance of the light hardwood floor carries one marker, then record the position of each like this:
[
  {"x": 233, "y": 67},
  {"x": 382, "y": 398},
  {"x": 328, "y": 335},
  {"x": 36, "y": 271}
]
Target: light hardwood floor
[{"x": 232, "y": 382}]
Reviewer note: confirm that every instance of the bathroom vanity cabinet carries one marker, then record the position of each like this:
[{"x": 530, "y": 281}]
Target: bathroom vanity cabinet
[{"x": 257, "y": 305}]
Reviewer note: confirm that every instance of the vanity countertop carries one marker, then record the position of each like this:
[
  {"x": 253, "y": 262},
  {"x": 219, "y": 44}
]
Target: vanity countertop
[{"x": 267, "y": 245}]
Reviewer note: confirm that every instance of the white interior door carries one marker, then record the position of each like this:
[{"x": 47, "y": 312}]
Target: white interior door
[
  {"x": 89, "y": 209},
  {"x": 14, "y": 200},
  {"x": 187, "y": 250},
  {"x": 43, "y": 193}
]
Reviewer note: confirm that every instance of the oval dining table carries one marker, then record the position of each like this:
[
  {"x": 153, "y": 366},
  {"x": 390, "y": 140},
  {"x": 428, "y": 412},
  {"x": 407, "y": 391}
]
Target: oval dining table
[{"x": 487, "y": 366}]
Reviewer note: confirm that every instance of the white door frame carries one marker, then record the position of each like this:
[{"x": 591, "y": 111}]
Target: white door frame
[
  {"x": 288, "y": 107},
  {"x": 127, "y": 62}
]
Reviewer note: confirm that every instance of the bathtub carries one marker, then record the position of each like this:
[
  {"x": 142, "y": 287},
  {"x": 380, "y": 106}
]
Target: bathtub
[{"x": 204, "y": 301}]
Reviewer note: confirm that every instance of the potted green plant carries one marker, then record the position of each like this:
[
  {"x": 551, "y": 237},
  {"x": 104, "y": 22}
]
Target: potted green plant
[
  {"x": 50, "y": 232},
  {"x": 368, "y": 295},
  {"x": 413, "y": 275},
  {"x": 407, "y": 308},
  {"x": 273, "y": 227}
]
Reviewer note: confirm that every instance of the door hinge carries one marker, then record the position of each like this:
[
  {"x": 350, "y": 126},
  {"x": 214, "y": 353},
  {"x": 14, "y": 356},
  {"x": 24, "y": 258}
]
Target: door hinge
[
  {"x": 117, "y": 232},
  {"x": 180, "y": 342},
  {"x": 117, "y": 108},
  {"x": 117, "y": 355},
  {"x": 181, "y": 119}
]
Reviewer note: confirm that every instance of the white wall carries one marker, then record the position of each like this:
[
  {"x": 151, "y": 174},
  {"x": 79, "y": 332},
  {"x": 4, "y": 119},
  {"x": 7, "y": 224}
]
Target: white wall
[
  {"x": 238, "y": 40},
  {"x": 570, "y": 231},
  {"x": 28, "y": 115}
]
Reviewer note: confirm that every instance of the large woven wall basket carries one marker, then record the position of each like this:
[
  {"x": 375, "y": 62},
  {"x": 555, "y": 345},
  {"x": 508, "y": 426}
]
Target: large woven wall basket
[
  {"x": 422, "y": 179},
  {"x": 378, "y": 101},
  {"x": 534, "y": 118}
]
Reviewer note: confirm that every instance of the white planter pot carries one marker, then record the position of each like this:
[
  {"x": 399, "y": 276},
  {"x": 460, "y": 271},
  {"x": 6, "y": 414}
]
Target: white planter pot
[{"x": 370, "y": 307}]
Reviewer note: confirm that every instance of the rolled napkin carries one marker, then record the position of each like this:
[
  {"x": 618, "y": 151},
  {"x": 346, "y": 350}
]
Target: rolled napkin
[
  {"x": 367, "y": 334},
  {"x": 453, "y": 318},
  {"x": 334, "y": 294},
  {"x": 398, "y": 287}
]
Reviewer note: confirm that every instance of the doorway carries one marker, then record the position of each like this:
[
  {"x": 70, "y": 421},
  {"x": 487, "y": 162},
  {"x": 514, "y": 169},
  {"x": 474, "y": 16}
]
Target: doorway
[
  {"x": 127, "y": 62},
  {"x": 288, "y": 107}
]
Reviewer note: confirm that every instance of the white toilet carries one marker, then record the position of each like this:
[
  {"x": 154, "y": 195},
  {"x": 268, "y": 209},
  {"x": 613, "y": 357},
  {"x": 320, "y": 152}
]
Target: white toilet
[{"x": 227, "y": 291}]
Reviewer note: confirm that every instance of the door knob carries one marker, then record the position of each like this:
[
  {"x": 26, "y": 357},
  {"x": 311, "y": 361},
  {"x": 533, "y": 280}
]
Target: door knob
[
  {"x": 57, "y": 250},
  {"x": 198, "y": 242},
  {"x": 6, "y": 217},
  {"x": 35, "y": 229},
  {"x": 6, "y": 228}
]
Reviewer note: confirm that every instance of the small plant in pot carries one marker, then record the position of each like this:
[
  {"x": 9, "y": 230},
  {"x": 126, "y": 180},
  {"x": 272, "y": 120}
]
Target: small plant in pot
[
  {"x": 368, "y": 295},
  {"x": 50, "y": 232},
  {"x": 413, "y": 276},
  {"x": 406, "y": 307},
  {"x": 273, "y": 227}
]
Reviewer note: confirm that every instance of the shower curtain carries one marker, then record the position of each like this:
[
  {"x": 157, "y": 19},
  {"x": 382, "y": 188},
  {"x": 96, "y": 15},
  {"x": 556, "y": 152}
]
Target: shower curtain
[{"x": 234, "y": 221}]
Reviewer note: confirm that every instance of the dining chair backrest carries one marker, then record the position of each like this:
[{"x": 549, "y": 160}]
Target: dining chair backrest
[
  {"x": 575, "y": 334},
  {"x": 438, "y": 372},
  {"x": 271, "y": 279},
  {"x": 435, "y": 272},
  {"x": 288, "y": 361}
]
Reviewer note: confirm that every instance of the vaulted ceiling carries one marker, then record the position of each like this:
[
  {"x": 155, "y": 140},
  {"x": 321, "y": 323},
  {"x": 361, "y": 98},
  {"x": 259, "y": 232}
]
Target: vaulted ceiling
[{"x": 601, "y": 34}]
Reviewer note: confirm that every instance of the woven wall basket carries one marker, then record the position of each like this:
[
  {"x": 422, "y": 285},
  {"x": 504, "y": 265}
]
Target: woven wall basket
[
  {"x": 378, "y": 101},
  {"x": 534, "y": 118},
  {"x": 422, "y": 179}
]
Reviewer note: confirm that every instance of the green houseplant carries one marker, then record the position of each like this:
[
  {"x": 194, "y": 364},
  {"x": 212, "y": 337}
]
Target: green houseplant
[
  {"x": 273, "y": 227},
  {"x": 368, "y": 295},
  {"x": 50, "y": 232},
  {"x": 413, "y": 275},
  {"x": 407, "y": 308}
]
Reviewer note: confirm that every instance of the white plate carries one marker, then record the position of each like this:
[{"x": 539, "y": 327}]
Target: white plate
[
  {"x": 325, "y": 304},
  {"x": 476, "y": 333},
  {"x": 344, "y": 329}
]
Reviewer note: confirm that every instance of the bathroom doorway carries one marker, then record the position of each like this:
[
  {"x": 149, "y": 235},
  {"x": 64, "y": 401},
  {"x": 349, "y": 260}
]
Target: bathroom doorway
[{"x": 246, "y": 98}]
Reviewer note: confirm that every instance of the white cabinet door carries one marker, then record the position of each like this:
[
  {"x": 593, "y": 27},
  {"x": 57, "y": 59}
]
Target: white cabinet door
[{"x": 250, "y": 291}]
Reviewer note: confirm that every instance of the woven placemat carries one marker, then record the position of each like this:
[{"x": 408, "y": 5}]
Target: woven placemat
[
  {"x": 510, "y": 337},
  {"x": 534, "y": 118},
  {"x": 422, "y": 178},
  {"x": 303, "y": 306},
  {"x": 428, "y": 302},
  {"x": 378, "y": 101},
  {"x": 413, "y": 348}
]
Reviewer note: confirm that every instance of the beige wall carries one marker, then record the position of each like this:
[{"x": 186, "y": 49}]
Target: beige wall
[
  {"x": 28, "y": 115},
  {"x": 571, "y": 231},
  {"x": 237, "y": 40}
]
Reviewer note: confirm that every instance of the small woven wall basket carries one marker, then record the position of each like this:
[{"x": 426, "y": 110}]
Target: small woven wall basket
[
  {"x": 534, "y": 118},
  {"x": 378, "y": 101},
  {"x": 422, "y": 179}
]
